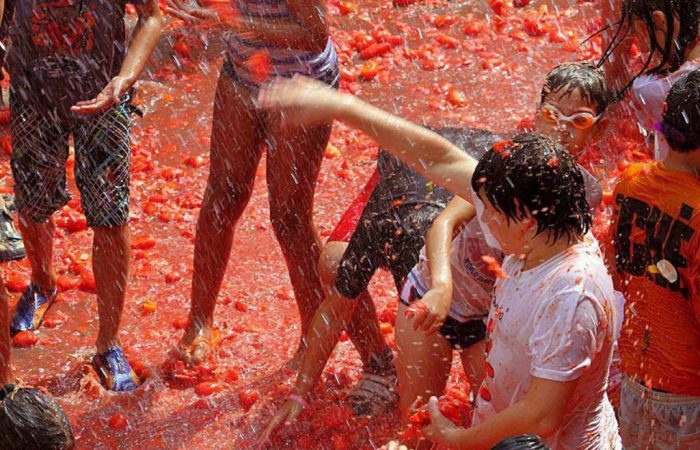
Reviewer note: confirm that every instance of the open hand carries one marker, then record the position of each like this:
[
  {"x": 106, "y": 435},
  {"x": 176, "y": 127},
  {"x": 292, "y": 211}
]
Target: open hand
[
  {"x": 111, "y": 95},
  {"x": 430, "y": 312},
  {"x": 441, "y": 429},
  {"x": 287, "y": 414},
  {"x": 301, "y": 100},
  {"x": 191, "y": 14}
]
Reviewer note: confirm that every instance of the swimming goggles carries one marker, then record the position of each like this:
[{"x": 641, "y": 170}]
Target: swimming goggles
[{"x": 580, "y": 120}]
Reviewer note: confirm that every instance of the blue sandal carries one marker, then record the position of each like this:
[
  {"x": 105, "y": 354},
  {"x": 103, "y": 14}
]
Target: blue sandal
[
  {"x": 114, "y": 370},
  {"x": 31, "y": 309}
]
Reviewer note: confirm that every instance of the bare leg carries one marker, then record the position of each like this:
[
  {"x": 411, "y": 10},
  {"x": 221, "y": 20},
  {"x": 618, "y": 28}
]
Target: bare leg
[
  {"x": 110, "y": 263},
  {"x": 38, "y": 242},
  {"x": 473, "y": 362},
  {"x": 363, "y": 328},
  {"x": 294, "y": 160},
  {"x": 235, "y": 154},
  {"x": 5, "y": 352},
  {"x": 423, "y": 364}
]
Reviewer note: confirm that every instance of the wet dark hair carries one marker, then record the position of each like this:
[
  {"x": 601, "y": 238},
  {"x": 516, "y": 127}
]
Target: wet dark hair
[
  {"x": 673, "y": 53},
  {"x": 523, "y": 442},
  {"x": 681, "y": 118},
  {"x": 536, "y": 174},
  {"x": 30, "y": 419},
  {"x": 585, "y": 77}
]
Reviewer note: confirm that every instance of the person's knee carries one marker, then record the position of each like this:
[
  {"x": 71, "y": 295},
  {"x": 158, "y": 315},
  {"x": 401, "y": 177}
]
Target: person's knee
[
  {"x": 225, "y": 199},
  {"x": 329, "y": 261},
  {"x": 290, "y": 219}
]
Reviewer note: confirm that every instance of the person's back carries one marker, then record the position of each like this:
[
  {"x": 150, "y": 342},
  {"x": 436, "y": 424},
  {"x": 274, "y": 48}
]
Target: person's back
[
  {"x": 657, "y": 214},
  {"x": 655, "y": 249}
]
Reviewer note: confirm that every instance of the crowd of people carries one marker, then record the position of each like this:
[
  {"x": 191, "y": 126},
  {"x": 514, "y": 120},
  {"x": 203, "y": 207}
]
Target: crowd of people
[{"x": 488, "y": 238}]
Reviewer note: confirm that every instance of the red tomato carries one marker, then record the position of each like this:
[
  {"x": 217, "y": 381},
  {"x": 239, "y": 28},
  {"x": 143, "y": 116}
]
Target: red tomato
[
  {"x": 195, "y": 161},
  {"x": 181, "y": 323},
  {"x": 447, "y": 41},
  {"x": 150, "y": 209},
  {"x": 172, "y": 277},
  {"x": 441, "y": 21},
  {"x": 240, "y": 306},
  {"x": 260, "y": 66},
  {"x": 158, "y": 198},
  {"x": 206, "y": 388},
  {"x": 346, "y": 7},
  {"x": 533, "y": 27},
  {"x": 25, "y": 339},
  {"x": 6, "y": 144},
  {"x": 148, "y": 307},
  {"x": 370, "y": 69},
  {"x": 375, "y": 50},
  {"x": 143, "y": 242},
  {"x": 87, "y": 282},
  {"x": 52, "y": 322},
  {"x": 16, "y": 281},
  {"x": 171, "y": 173},
  {"x": 456, "y": 97},
  {"x": 403, "y": 2},
  {"x": 118, "y": 422},
  {"x": 521, "y": 3},
  {"x": 556, "y": 37},
  {"x": 67, "y": 282},
  {"x": 232, "y": 375},
  {"x": 386, "y": 328},
  {"x": 248, "y": 398},
  {"x": 499, "y": 7}
]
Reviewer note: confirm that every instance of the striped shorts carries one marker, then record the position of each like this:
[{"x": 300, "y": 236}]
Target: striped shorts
[{"x": 102, "y": 157}]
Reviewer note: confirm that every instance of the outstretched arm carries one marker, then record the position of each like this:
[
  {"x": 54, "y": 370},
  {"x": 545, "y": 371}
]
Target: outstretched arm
[
  {"x": 305, "y": 101},
  {"x": 145, "y": 38},
  {"x": 328, "y": 323}
]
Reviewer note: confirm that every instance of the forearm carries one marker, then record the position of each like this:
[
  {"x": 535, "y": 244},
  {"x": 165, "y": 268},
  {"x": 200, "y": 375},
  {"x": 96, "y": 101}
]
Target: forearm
[
  {"x": 438, "y": 243},
  {"x": 144, "y": 40},
  {"x": 328, "y": 323},
  {"x": 427, "y": 152}
]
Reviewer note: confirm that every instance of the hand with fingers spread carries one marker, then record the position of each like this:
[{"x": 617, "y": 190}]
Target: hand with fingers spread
[
  {"x": 393, "y": 445},
  {"x": 194, "y": 14},
  {"x": 430, "y": 312},
  {"x": 441, "y": 429},
  {"x": 301, "y": 100},
  {"x": 287, "y": 414},
  {"x": 111, "y": 95}
]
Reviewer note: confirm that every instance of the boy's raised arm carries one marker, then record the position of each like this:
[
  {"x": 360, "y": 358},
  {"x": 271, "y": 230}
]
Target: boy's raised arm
[
  {"x": 305, "y": 101},
  {"x": 144, "y": 40}
]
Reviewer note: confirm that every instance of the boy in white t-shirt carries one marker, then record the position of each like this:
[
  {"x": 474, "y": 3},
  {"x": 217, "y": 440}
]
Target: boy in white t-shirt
[{"x": 551, "y": 326}]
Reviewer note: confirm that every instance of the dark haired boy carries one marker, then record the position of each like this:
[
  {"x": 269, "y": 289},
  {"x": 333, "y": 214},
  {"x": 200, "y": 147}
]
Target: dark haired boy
[
  {"x": 71, "y": 72},
  {"x": 551, "y": 327},
  {"x": 656, "y": 248}
]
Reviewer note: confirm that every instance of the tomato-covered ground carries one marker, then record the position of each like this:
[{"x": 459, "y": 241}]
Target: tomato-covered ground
[{"x": 435, "y": 62}]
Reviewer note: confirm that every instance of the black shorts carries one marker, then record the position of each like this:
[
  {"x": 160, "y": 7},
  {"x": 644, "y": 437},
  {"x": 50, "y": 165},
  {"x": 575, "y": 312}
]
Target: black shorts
[
  {"x": 460, "y": 335},
  {"x": 389, "y": 239}
]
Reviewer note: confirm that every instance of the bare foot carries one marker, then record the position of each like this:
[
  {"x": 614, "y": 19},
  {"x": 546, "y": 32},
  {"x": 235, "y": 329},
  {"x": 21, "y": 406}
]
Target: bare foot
[{"x": 197, "y": 346}]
